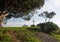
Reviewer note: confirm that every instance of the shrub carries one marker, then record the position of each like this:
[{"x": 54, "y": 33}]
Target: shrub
[
  {"x": 5, "y": 38},
  {"x": 48, "y": 27},
  {"x": 33, "y": 26},
  {"x": 27, "y": 36}
]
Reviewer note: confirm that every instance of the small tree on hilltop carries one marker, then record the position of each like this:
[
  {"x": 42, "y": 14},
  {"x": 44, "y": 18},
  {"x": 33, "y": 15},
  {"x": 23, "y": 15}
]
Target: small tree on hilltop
[
  {"x": 47, "y": 15},
  {"x": 50, "y": 27}
]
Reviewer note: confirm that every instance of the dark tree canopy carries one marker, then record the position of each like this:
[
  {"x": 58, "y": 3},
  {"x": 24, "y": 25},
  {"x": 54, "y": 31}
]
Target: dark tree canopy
[
  {"x": 50, "y": 27},
  {"x": 19, "y": 8}
]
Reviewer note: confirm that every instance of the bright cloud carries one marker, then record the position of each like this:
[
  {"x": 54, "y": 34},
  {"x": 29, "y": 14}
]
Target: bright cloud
[
  {"x": 51, "y": 5},
  {"x": 56, "y": 3},
  {"x": 17, "y": 24}
]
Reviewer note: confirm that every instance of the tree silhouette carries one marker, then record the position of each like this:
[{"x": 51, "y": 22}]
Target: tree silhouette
[
  {"x": 47, "y": 15},
  {"x": 18, "y": 8},
  {"x": 51, "y": 15}
]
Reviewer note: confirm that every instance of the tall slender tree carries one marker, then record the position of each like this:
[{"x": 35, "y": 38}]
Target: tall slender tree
[
  {"x": 18, "y": 8},
  {"x": 51, "y": 15},
  {"x": 47, "y": 15}
]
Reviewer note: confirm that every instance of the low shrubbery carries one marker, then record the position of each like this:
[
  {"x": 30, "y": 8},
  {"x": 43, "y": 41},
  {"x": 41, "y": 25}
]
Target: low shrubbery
[
  {"x": 48, "y": 27},
  {"x": 23, "y": 35},
  {"x": 27, "y": 36},
  {"x": 5, "y": 37}
]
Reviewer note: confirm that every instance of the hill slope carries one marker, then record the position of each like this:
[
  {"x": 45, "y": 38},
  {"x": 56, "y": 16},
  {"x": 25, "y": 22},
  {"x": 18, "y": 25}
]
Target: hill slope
[{"x": 25, "y": 35}]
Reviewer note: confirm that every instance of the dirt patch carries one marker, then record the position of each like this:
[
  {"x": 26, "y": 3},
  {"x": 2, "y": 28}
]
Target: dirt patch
[
  {"x": 46, "y": 38},
  {"x": 14, "y": 37}
]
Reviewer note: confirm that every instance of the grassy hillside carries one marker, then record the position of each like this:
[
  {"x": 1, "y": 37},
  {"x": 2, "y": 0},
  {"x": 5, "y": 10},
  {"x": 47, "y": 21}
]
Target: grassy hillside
[
  {"x": 18, "y": 35},
  {"x": 23, "y": 34}
]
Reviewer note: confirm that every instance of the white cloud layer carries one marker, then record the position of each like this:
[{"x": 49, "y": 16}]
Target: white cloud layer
[
  {"x": 56, "y": 3},
  {"x": 17, "y": 24},
  {"x": 51, "y": 5}
]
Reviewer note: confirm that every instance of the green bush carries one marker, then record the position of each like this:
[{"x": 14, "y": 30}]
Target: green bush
[
  {"x": 33, "y": 26},
  {"x": 48, "y": 27},
  {"x": 5, "y": 37}
]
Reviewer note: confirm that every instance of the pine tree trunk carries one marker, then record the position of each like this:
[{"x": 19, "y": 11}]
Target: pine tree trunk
[
  {"x": 49, "y": 20},
  {"x": 2, "y": 16},
  {"x": 0, "y": 24},
  {"x": 1, "y": 21},
  {"x": 45, "y": 20}
]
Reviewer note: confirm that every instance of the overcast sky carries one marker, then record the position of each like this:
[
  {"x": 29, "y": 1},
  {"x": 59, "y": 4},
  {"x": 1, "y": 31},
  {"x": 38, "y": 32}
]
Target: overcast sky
[{"x": 50, "y": 5}]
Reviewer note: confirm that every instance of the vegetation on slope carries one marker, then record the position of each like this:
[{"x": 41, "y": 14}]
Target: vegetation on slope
[
  {"x": 48, "y": 27},
  {"x": 18, "y": 35},
  {"x": 29, "y": 34}
]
